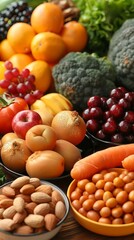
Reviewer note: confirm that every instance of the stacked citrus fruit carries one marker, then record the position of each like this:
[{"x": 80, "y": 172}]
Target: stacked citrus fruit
[{"x": 42, "y": 43}]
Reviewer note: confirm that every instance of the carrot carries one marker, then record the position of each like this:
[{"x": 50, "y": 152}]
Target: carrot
[
  {"x": 108, "y": 158},
  {"x": 128, "y": 163}
]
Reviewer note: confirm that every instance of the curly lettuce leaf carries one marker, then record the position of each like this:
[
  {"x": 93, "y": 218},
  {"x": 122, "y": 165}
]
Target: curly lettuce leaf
[{"x": 101, "y": 19}]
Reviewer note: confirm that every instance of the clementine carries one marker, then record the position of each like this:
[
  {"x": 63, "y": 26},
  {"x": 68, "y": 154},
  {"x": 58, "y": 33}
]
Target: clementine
[
  {"x": 47, "y": 17},
  {"x": 20, "y": 35},
  {"x": 75, "y": 36},
  {"x": 20, "y": 60},
  {"x": 2, "y": 70},
  {"x": 48, "y": 46},
  {"x": 42, "y": 72},
  {"x": 6, "y": 50}
]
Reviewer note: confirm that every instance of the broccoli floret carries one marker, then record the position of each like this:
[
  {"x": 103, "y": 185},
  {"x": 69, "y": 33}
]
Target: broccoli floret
[
  {"x": 121, "y": 54},
  {"x": 79, "y": 76}
]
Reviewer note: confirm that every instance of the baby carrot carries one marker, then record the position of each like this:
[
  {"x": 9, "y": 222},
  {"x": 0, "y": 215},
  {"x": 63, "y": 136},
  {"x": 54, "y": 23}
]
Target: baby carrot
[
  {"x": 108, "y": 158},
  {"x": 128, "y": 163}
]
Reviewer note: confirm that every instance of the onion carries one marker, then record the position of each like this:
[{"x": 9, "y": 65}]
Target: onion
[{"x": 14, "y": 154}]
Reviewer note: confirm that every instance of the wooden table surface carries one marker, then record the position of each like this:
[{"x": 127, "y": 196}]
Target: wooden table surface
[{"x": 72, "y": 230}]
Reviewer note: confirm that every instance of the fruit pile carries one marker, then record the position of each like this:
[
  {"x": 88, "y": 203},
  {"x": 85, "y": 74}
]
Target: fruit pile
[{"x": 112, "y": 118}]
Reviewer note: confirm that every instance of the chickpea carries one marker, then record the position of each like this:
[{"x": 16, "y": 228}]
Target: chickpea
[
  {"x": 104, "y": 220},
  {"x": 129, "y": 187},
  {"x": 82, "y": 199},
  {"x": 118, "y": 182},
  {"x": 96, "y": 177},
  {"x": 105, "y": 212},
  {"x": 122, "y": 197},
  {"x": 127, "y": 179},
  {"x": 128, "y": 207},
  {"x": 81, "y": 184},
  {"x": 107, "y": 195},
  {"x": 82, "y": 211},
  {"x": 98, "y": 205},
  {"x": 76, "y": 204},
  {"x": 117, "y": 212},
  {"x": 116, "y": 191},
  {"x": 131, "y": 175},
  {"x": 128, "y": 218},
  {"x": 131, "y": 196},
  {"x": 100, "y": 183},
  {"x": 88, "y": 204},
  {"x": 109, "y": 177},
  {"x": 99, "y": 194},
  {"x": 90, "y": 187},
  {"x": 75, "y": 195},
  {"x": 117, "y": 221},
  {"x": 111, "y": 202},
  {"x": 93, "y": 215},
  {"x": 109, "y": 186}
]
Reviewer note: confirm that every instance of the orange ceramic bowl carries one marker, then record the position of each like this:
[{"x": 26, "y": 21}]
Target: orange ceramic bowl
[{"x": 115, "y": 230}]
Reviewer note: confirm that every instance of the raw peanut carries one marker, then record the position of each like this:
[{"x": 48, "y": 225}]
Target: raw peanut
[
  {"x": 60, "y": 209},
  {"x": 9, "y": 212},
  {"x": 35, "y": 182},
  {"x": 8, "y": 191},
  {"x": 30, "y": 207},
  {"x": 19, "y": 217},
  {"x": 40, "y": 197},
  {"x": 5, "y": 203},
  {"x": 56, "y": 196},
  {"x": 50, "y": 221},
  {"x": 27, "y": 189},
  {"x": 44, "y": 188},
  {"x": 2, "y": 197},
  {"x": 7, "y": 224},
  {"x": 20, "y": 182},
  {"x": 1, "y": 212},
  {"x": 26, "y": 198},
  {"x": 24, "y": 230},
  {"x": 42, "y": 209},
  {"x": 34, "y": 220},
  {"x": 19, "y": 204}
]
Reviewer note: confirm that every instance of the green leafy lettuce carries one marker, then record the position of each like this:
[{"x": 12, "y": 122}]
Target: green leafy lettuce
[{"x": 101, "y": 19}]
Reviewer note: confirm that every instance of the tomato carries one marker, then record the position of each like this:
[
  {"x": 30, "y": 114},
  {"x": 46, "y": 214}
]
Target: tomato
[{"x": 8, "y": 108}]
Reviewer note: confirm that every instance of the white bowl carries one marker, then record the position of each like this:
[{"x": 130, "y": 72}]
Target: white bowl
[{"x": 46, "y": 235}]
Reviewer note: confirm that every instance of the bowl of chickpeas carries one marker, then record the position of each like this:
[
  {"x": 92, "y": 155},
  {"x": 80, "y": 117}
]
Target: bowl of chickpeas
[{"x": 104, "y": 204}]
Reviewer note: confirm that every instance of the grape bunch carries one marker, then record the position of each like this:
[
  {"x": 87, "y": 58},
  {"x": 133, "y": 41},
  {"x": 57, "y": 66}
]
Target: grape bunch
[
  {"x": 111, "y": 119},
  {"x": 14, "y": 12},
  {"x": 20, "y": 84}
]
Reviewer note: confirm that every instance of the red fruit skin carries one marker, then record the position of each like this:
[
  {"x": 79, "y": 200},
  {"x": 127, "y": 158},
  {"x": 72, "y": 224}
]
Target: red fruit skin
[{"x": 24, "y": 120}]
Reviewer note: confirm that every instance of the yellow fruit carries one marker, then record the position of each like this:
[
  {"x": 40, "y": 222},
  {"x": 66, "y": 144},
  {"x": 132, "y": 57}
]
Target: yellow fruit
[
  {"x": 43, "y": 75},
  {"x": 2, "y": 70}
]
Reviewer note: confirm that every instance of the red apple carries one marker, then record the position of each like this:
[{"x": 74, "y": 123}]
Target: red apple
[{"x": 24, "y": 120}]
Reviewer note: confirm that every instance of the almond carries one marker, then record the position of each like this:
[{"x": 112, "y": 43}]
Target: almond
[
  {"x": 8, "y": 191},
  {"x": 9, "y": 212},
  {"x": 40, "y": 197},
  {"x": 6, "y": 202},
  {"x": 2, "y": 197},
  {"x": 25, "y": 197},
  {"x": 44, "y": 188},
  {"x": 1, "y": 212},
  {"x": 27, "y": 189},
  {"x": 7, "y": 224},
  {"x": 30, "y": 207},
  {"x": 60, "y": 209},
  {"x": 20, "y": 182},
  {"x": 19, "y": 217},
  {"x": 50, "y": 221},
  {"x": 35, "y": 221},
  {"x": 24, "y": 230},
  {"x": 19, "y": 204},
  {"x": 42, "y": 209},
  {"x": 56, "y": 196},
  {"x": 35, "y": 182}
]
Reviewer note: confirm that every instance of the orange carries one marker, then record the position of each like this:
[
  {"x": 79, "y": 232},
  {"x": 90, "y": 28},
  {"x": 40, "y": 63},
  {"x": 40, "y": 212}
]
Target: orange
[
  {"x": 20, "y": 36},
  {"x": 75, "y": 36},
  {"x": 42, "y": 72},
  {"x": 2, "y": 70},
  {"x": 48, "y": 46},
  {"x": 6, "y": 51},
  {"x": 20, "y": 60},
  {"x": 47, "y": 17}
]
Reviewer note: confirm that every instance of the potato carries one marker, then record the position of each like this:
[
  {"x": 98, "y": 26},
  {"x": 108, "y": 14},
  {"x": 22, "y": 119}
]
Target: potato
[
  {"x": 45, "y": 164},
  {"x": 69, "y": 151}
]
